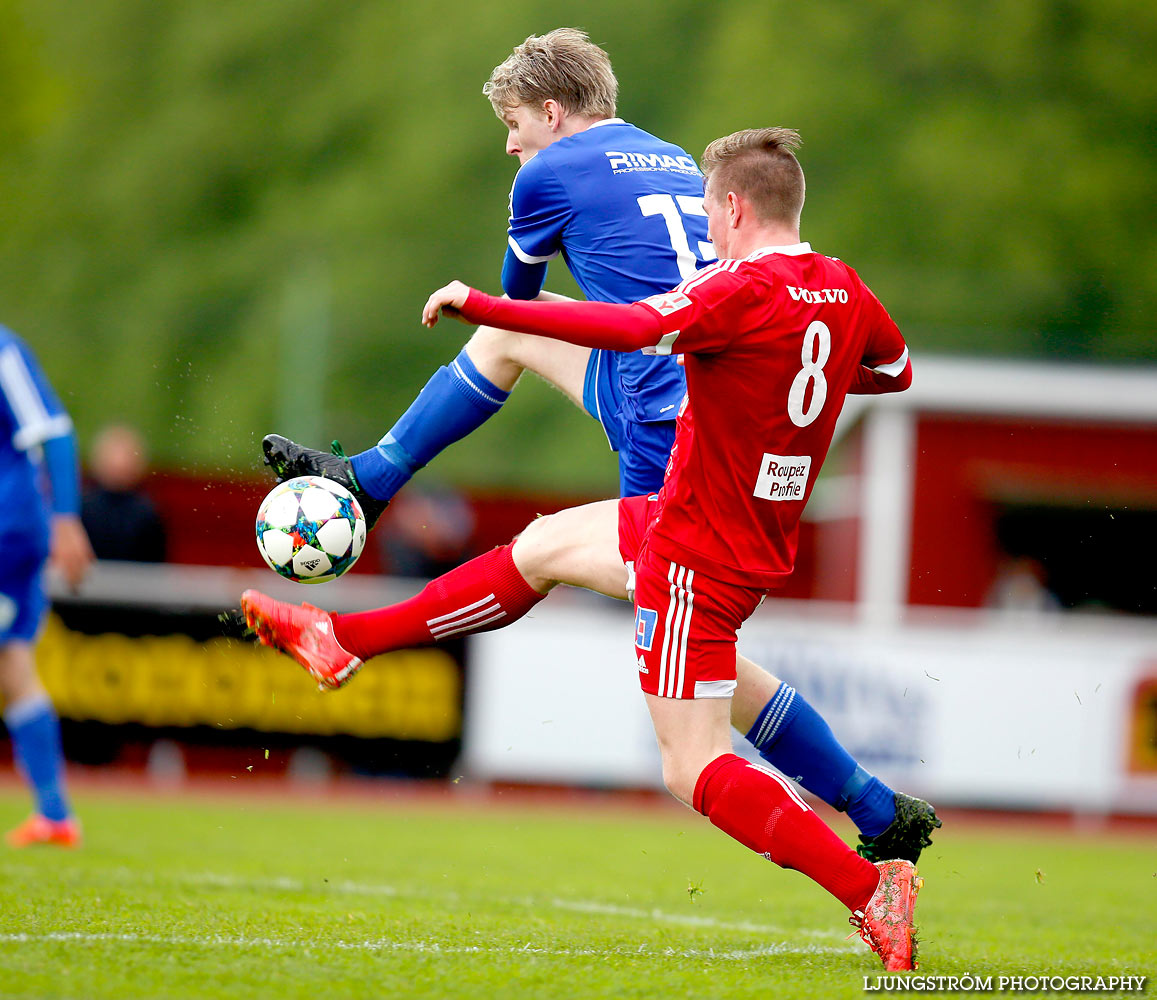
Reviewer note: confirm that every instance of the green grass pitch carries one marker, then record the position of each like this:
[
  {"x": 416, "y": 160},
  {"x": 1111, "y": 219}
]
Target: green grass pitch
[{"x": 271, "y": 896}]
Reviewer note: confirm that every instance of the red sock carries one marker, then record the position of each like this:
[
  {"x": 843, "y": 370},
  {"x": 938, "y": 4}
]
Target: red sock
[
  {"x": 762, "y": 811},
  {"x": 482, "y": 594}
]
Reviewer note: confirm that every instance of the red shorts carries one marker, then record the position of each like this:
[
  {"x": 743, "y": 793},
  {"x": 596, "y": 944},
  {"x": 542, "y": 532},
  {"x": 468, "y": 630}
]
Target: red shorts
[
  {"x": 685, "y": 623},
  {"x": 635, "y": 517}
]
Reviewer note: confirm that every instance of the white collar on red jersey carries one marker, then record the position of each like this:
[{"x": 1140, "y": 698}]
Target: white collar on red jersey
[{"x": 792, "y": 250}]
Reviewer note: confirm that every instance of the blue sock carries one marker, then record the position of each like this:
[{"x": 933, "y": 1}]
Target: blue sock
[
  {"x": 871, "y": 805},
  {"x": 794, "y": 738},
  {"x": 35, "y": 732},
  {"x": 456, "y": 401}
]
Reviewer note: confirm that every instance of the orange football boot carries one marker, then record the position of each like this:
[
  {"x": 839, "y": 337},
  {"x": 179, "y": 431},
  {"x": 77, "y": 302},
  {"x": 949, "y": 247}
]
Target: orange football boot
[
  {"x": 39, "y": 829},
  {"x": 305, "y": 633},
  {"x": 886, "y": 923}
]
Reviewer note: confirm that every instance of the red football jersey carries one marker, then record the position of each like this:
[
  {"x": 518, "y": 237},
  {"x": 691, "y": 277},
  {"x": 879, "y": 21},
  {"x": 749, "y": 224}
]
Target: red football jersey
[{"x": 771, "y": 343}]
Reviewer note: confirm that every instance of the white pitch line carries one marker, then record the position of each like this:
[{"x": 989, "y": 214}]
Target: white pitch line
[
  {"x": 417, "y": 946},
  {"x": 687, "y": 919},
  {"x": 573, "y": 905},
  {"x": 286, "y": 884}
]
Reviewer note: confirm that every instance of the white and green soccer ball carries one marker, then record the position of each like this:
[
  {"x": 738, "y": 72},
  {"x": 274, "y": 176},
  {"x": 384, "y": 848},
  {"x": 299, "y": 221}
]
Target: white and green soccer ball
[{"x": 310, "y": 529}]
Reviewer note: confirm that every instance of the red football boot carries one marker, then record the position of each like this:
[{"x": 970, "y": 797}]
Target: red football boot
[
  {"x": 39, "y": 829},
  {"x": 305, "y": 633},
  {"x": 886, "y": 923}
]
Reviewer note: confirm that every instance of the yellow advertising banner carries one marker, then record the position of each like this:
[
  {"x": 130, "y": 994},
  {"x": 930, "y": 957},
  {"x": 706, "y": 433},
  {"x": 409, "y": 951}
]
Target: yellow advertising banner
[
  {"x": 1143, "y": 726},
  {"x": 174, "y": 680}
]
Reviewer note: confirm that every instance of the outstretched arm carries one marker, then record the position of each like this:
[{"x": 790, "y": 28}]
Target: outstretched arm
[{"x": 588, "y": 324}]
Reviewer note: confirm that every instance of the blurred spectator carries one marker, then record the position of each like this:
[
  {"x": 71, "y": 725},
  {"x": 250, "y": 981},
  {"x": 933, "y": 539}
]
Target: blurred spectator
[
  {"x": 427, "y": 533},
  {"x": 1021, "y": 587},
  {"x": 121, "y": 521}
]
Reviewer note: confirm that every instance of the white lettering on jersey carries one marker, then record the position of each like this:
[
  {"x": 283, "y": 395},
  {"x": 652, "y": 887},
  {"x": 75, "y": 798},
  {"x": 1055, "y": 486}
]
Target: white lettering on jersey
[
  {"x": 818, "y": 296},
  {"x": 622, "y": 163},
  {"x": 668, "y": 302},
  {"x": 782, "y": 477}
]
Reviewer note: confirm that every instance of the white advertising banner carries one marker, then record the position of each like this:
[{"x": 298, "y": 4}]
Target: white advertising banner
[
  {"x": 1050, "y": 712},
  {"x": 555, "y": 698}
]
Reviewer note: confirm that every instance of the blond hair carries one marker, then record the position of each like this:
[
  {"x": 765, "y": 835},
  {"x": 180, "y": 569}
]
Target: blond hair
[
  {"x": 760, "y": 164},
  {"x": 563, "y": 65}
]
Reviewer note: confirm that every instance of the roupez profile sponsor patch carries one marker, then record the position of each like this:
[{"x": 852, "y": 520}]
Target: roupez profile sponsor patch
[{"x": 782, "y": 477}]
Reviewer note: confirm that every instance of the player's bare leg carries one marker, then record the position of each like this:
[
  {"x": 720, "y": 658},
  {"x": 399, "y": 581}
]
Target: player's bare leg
[
  {"x": 18, "y": 680},
  {"x": 755, "y": 689},
  {"x": 691, "y": 734},
  {"x": 502, "y": 356},
  {"x": 577, "y": 546}
]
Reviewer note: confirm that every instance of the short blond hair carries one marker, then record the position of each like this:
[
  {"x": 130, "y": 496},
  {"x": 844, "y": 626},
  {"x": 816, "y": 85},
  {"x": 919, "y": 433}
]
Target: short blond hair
[
  {"x": 563, "y": 65},
  {"x": 760, "y": 164}
]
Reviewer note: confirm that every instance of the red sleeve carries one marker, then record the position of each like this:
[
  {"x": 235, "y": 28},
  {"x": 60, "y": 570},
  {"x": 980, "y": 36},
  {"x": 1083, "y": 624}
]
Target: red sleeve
[
  {"x": 588, "y": 324},
  {"x": 873, "y": 381},
  {"x": 885, "y": 366},
  {"x": 705, "y": 313}
]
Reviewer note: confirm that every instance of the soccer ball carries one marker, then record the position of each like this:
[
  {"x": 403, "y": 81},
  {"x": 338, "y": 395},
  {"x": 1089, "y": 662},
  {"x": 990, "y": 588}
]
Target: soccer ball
[{"x": 310, "y": 529}]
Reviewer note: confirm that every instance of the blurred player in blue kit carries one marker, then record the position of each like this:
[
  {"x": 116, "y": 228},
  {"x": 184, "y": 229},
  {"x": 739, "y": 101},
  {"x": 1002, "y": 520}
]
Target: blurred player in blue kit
[
  {"x": 39, "y": 522},
  {"x": 625, "y": 211}
]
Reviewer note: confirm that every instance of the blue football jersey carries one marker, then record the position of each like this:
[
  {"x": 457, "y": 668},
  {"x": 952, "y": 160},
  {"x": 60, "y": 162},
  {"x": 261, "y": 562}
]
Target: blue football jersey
[
  {"x": 30, "y": 414},
  {"x": 625, "y": 210}
]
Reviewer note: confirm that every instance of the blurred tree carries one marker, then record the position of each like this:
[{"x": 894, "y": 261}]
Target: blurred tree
[{"x": 174, "y": 175}]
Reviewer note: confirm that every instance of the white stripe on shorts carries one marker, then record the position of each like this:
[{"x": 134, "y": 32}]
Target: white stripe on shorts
[
  {"x": 685, "y": 632},
  {"x": 662, "y": 685},
  {"x": 673, "y": 660}
]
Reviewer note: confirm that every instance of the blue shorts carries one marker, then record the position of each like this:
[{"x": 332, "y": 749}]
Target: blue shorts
[
  {"x": 23, "y": 600},
  {"x": 643, "y": 447}
]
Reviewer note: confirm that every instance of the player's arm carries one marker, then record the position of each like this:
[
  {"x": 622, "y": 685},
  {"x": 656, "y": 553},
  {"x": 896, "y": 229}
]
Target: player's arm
[
  {"x": 70, "y": 551},
  {"x": 539, "y": 211},
  {"x": 885, "y": 366},
  {"x": 607, "y": 325},
  {"x": 704, "y": 313},
  {"x": 519, "y": 280},
  {"x": 893, "y": 376}
]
